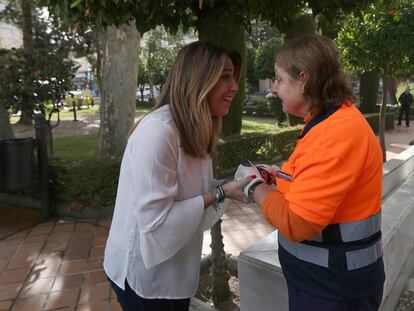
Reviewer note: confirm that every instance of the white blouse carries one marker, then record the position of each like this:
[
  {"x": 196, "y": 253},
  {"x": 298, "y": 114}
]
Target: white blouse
[{"x": 156, "y": 235}]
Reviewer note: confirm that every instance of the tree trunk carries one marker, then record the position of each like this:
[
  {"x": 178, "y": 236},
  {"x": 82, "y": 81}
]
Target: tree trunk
[
  {"x": 368, "y": 90},
  {"x": 6, "y": 130},
  {"x": 381, "y": 126},
  {"x": 151, "y": 86},
  {"x": 26, "y": 117},
  {"x": 120, "y": 74},
  {"x": 221, "y": 294},
  {"x": 328, "y": 29},
  {"x": 303, "y": 25},
  {"x": 142, "y": 95},
  {"x": 215, "y": 26},
  {"x": 100, "y": 42},
  {"x": 392, "y": 85}
]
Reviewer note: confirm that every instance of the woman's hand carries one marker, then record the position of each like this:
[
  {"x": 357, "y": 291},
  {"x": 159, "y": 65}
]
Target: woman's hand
[
  {"x": 268, "y": 172},
  {"x": 234, "y": 189}
]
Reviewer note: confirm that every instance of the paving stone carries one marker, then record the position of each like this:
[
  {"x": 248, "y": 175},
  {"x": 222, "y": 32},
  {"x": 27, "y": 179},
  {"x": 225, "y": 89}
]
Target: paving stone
[{"x": 62, "y": 299}]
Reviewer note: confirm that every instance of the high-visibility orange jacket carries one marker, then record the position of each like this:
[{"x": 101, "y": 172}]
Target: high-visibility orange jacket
[
  {"x": 333, "y": 187},
  {"x": 336, "y": 172}
]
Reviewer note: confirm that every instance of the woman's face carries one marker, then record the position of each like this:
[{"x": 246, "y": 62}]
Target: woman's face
[
  {"x": 290, "y": 91},
  {"x": 221, "y": 95}
]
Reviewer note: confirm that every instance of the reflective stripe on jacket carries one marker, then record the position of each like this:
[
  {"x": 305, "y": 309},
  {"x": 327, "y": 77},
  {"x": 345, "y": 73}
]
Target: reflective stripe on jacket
[{"x": 361, "y": 241}]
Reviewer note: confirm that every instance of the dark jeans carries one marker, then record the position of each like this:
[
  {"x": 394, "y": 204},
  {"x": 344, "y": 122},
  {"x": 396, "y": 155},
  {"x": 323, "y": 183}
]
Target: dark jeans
[
  {"x": 300, "y": 301},
  {"x": 404, "y": 109},
  {"x": 130, "y": 301}
]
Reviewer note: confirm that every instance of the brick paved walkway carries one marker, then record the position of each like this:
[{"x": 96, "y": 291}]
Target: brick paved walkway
[{"x": 57, "y": 264}]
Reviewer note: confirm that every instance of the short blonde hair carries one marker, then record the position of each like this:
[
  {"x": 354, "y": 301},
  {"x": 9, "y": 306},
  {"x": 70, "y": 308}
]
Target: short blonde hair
[
  {"x": 195, "y": 72},
  {"x": 318, "y": 57}
]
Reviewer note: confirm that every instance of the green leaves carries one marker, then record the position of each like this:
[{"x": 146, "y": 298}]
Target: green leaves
[
  {"x": 75, "y": 3},
  {"x": 266, "y": 58},
  {"x": 29, "y": 80},
  {"x": 380, "y": 39}
]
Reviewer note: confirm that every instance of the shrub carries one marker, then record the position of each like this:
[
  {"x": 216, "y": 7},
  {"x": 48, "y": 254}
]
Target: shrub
[
  {"x": 275, "y": 104},
  {"x": 149, "y": 103},
  {"x": 93, "y": 183},
  {"x": 257, "y": 147},
  {"x": 373, "y": 120},
  {"x": 258, "y": 106},
  {"x": 90, "y": 182}
]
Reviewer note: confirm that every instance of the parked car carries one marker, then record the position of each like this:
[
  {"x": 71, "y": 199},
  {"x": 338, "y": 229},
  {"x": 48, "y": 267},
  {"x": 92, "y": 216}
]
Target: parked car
[{"x": 146, "y": 93}]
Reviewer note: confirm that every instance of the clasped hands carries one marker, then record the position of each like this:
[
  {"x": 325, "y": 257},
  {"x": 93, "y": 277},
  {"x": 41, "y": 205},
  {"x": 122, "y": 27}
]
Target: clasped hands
[
  {"x": 246, "y": 176},
  {"x": 260, "y": 173}
]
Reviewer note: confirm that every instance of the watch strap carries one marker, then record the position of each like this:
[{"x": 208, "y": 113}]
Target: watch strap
[{"x": 253, "y": 187}]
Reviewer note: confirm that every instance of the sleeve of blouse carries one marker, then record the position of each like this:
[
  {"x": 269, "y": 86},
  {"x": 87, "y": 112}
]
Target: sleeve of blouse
[{"x": 164, "y": 225}]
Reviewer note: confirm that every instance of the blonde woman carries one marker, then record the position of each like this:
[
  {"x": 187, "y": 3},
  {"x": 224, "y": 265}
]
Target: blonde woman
[{"x": 166, "y": 188}]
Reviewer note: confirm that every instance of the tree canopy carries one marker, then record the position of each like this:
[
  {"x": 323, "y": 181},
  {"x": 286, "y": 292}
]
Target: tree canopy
[
  {"x": 380, "y": 39},
  {"x": 45, "y": 74},
  {"x": 266, "y": 58}
]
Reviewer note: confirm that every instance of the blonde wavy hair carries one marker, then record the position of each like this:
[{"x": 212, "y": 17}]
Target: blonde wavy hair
[{"x": 196, "y": 70}]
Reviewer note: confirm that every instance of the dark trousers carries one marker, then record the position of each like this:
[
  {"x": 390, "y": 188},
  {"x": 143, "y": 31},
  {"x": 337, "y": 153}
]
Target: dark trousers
[
  {"x": 404, "y": 109},
  {"x": 300, "y": 301},
  {"x": 130, "y": 301}
]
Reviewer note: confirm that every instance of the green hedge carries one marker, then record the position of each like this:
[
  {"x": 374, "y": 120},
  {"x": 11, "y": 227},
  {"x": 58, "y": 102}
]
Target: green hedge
[
  {"x": 93, "y": 183},
  {"x": 373, "y": 120},
  {"x": 86, "y": 182},
  {"x": 265, "y": 106},
  {"x": 257, "y": 147}
]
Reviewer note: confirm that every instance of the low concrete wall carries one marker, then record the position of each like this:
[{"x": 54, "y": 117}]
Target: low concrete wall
[{"x": 263, "y": 287}]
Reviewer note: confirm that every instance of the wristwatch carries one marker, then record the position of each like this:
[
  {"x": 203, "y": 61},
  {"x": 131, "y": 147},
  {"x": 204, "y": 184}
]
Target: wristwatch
[{"x": 252, "y": 188}]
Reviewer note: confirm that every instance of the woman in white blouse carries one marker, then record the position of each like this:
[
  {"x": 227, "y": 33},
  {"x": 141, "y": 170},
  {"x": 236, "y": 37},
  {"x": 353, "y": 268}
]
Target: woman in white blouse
[{"x": 166, "y": 191}]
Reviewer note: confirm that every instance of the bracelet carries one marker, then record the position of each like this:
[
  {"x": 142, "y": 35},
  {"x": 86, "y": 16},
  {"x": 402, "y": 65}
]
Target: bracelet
[
  {"x": 218, "y": 195},
  {"x": 253, "y": 187},
  {"x": 222, "y": 194}
]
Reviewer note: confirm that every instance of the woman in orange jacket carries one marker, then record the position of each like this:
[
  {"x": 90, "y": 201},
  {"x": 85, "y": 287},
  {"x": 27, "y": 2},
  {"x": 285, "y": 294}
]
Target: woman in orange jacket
[{"x": 327, "y": 200}]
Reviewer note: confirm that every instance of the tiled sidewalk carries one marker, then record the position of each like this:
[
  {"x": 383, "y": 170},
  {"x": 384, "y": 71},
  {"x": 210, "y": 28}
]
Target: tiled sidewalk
[{"x": 57, "y": 264}]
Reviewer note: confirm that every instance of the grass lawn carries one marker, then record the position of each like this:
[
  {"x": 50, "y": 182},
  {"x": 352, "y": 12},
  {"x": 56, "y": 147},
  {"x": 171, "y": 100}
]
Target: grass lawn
[
  {"x": 76, "y": 147},
  {"x": 67, "y": 114},
  {"x": 252, "y": 124},
  {"x": 86, "y": 146},
  {"x": 64, "y": 114}
]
